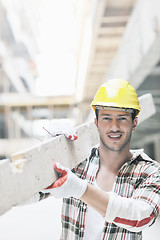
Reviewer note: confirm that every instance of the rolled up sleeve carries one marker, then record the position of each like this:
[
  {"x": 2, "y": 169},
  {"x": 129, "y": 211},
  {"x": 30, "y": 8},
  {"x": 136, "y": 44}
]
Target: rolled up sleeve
[{"x": 139, "y": 211}]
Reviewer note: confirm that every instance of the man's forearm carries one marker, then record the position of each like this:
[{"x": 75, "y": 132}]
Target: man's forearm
[
  {"x": 128, "y": 213},
  {"x": 96, "y": 198}
]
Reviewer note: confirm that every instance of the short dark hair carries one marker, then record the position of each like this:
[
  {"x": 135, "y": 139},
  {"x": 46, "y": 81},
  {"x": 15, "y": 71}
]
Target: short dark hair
[
  {"x": 96, "y": 113},
  {"x": 134, "y": 114}
]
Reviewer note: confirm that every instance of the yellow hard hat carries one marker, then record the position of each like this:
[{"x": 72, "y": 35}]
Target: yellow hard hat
[{"x": 116, "y": 93}]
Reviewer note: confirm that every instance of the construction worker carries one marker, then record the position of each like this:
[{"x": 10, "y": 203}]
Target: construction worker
[{"x": 115, "y": 192}]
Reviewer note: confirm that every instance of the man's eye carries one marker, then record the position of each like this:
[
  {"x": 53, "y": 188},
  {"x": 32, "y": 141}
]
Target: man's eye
[
  {"x": 122, "y": 118},
  {"x": 106, "y": 118}
]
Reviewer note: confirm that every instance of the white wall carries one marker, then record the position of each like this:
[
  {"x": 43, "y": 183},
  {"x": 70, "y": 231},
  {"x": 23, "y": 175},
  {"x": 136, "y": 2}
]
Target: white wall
[{"x": 38, "y": 221}]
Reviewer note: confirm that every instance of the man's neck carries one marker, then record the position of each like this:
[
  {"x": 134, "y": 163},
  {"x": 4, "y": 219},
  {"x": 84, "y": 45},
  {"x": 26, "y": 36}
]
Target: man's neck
[{"x": 113, "y": 160}]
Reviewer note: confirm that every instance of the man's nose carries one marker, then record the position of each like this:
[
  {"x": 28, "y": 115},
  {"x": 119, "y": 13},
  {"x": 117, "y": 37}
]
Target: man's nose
[{"x": 114, "y": 125}]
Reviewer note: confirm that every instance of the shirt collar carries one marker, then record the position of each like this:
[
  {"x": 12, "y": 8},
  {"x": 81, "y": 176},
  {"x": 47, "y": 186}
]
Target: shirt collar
[
  {"x": 135, "y": 154},
  {"x": 140, "y": 152}
]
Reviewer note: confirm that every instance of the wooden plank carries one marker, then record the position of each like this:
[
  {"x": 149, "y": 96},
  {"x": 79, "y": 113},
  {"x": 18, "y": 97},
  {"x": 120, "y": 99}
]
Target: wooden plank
[
  {"x": 32, "y": 170},
  {"x": 20, "y": 100},
  {"x": 110, "y": 30},
  {"x": 115, "y": 19},
  {"x": 147, "y": 107}
]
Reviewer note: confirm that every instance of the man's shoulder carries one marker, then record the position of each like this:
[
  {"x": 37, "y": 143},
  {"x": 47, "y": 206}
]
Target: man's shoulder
[
  {"x": 82, "y": 166},
  {"x": 142, "y": 158},
  {"x": 139, "y": 153}
]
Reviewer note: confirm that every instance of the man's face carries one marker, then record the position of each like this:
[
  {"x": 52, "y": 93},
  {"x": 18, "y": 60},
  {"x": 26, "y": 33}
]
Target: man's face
[{"x": 115, "y": 129}]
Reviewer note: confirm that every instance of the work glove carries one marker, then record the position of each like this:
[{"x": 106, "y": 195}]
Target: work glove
[
  {"x": 68, "y": 185},
  {"x": 59, "y": 128}
]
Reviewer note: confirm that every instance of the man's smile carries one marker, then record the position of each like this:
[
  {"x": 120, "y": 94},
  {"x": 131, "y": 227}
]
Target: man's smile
[{"x": 114, "y": 136}]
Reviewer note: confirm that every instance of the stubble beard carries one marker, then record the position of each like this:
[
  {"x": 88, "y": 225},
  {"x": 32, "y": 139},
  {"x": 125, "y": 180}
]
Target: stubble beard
[{"x": 114, "y": 148}]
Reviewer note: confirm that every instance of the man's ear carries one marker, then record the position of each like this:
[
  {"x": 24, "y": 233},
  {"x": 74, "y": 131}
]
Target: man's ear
[
  {"x": 96, "y": 122},
  {"x": 135, "y": 122}
]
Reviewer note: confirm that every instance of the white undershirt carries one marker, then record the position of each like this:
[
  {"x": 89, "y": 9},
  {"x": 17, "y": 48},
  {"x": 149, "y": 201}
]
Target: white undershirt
[{"x": 94, "y": 224}]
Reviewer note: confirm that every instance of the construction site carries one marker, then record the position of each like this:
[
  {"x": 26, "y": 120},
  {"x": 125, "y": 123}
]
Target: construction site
[{"x": 54, "y": 54}]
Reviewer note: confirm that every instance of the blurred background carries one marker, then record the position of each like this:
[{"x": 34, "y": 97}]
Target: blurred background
[{"x": 54, "y": 54}]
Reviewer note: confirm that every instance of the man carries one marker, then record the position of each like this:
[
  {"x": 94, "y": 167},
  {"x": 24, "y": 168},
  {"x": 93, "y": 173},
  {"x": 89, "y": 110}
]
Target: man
[{"x": 115, "y": 193}]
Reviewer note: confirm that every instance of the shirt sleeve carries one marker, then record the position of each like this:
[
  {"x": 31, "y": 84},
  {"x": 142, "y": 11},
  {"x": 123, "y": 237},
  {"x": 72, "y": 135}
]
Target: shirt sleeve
[{"x": 139, "y": 211}]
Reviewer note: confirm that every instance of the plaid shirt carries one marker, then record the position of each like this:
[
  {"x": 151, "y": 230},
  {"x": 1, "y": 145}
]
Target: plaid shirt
[{"x": 138, "y": 178}]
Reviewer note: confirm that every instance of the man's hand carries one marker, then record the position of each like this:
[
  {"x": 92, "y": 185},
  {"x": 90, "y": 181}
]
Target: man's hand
[
  {"x": 68, "y": 185},
  {"x": 58, "y": 128}
]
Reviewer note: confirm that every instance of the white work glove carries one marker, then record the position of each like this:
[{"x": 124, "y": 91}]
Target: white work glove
[
  {"x": 68, "y": 185},
  {"x": 58, "y": 128}
]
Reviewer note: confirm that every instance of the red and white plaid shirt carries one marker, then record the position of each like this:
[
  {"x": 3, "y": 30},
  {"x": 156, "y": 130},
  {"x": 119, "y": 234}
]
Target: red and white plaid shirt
[{"x": 138, "y": 179}]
